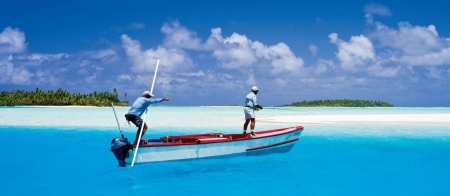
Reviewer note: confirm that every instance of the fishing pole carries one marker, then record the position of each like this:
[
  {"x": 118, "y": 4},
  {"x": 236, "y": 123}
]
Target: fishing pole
[
  {"x": 145, "y": 115},
  {"x": 121, "y": 132}
]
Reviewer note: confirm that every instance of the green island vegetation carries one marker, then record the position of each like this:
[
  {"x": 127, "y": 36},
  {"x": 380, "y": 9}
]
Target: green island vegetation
[
  {"x": 341, "y": 103},
  {"x": 60, "y": 98}
]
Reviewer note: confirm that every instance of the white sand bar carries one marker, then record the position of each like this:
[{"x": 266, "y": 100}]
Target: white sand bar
[{"x": 359, "y": 119}]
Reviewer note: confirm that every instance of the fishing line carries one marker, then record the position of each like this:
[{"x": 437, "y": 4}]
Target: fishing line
[{"x": 283, "y": 109}]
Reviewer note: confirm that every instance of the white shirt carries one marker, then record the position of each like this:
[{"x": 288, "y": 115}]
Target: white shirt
[{"x": 250, "y": 100}]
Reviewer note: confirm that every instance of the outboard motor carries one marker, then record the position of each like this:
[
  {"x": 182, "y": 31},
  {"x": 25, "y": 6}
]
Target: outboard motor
[{"x": 120, "y": 147}]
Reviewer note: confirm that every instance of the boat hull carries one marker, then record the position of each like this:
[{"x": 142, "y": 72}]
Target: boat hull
[{"x": 271, "y": 141}]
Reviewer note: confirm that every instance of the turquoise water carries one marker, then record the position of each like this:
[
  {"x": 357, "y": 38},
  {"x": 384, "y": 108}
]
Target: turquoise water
[{"x": 53, "y": 151}]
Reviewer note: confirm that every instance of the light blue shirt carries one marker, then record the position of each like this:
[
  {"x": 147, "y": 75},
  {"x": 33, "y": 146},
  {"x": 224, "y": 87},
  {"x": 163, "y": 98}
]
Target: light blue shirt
[
  {"x": 250, "y": 100},
  {"x": 141, "y": 104}
]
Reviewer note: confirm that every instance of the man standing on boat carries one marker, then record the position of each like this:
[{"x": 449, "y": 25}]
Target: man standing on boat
[
  {"x": 249, "y": 110},
  {"x": 138, "y": 108}
]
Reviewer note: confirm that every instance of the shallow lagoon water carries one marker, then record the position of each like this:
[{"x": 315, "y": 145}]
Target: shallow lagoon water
[{"x": 52, "y": 151}]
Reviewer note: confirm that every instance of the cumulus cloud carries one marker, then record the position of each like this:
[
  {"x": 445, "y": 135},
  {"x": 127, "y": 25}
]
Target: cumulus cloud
[
  {"x": 441, "y": 57},
  {"x": 12, "y": 41},
  {"x": 179, "y": 37},
  {"x": 322, "y": 67},
  {"x": 172, "y": 59},
  {"x": 232, "y": 52},
  {"x": 375, "y": 9},
  {"x": 10, "y": 73},
  {"x": 21, "y": 75},
  {"x": 357, "y": 52},
  {"x": 408, "y": 39},
  {"x": 413, "y": 45},
  {"x": 6, "y": 69},
  {"x": 379, "y": 71},
  {"x": 237, "y": 52},
  {"x": 235, "y": 62},
  {"x": 280, "y": 57}
]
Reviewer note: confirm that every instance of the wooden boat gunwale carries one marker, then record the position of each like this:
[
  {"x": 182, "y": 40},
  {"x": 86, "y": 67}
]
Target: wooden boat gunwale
[{"x": 246, "y": 137}]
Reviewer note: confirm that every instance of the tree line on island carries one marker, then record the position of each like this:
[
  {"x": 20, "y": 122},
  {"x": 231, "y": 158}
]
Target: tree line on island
[
  {"x": 60, "y": 97},
  {"x": 341, "y": 103}
]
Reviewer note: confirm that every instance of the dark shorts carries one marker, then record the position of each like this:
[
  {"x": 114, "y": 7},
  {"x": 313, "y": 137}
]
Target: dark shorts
[{"x": 136, "y": 120}]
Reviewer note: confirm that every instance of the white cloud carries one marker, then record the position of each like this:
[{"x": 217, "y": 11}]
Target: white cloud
[
  {"x": 21, "y": 75},
  {"x": 45, "y": 77},
  {"x": 433, "y": 72},
  {"x": 197, "y": 74},
  {"x": 237, "y": 52},
  {"x": 6, "y": 69},
  {"x": 413, "y": 45},
  {"x": 322, "y": 67},
  {"x": 12, "y": 41},
  {"x": 378, "y": 71},
  {"x": 124, "y": 77},
  {"x": 102, "y": 54},
  {"x": 172, "y": 60},
  {"x": 376, "y": 9},
  {"x": 251, "y": 81},
  {"x": 179, "y": 37},
  {"x": 90, "y": 79},
  {"x": 357, "y": 52},
  {"x": 136, "y": 25},
  {"x": 83, "y": 72},
  {"x": 15, "y": 74},
  {"x": 313, "y": 49},
  {"x": 38, "y": 59},
  {"x": 105, "y": 56},
  {"x": 233, "y": 52},
  {"x": 441, "y": 57},
  {"x": 282, "y": 60},
  {"x": 408, "y": 39}
]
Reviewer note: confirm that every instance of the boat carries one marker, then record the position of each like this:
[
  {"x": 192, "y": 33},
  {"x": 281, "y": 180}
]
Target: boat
[{"x": 184, "y": 147}]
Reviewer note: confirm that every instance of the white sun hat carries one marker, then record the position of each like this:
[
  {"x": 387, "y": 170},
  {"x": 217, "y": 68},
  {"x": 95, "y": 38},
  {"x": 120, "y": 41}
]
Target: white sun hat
[
  {"x": 147, "y": 93},
  {"x": 254, "y": 88}
]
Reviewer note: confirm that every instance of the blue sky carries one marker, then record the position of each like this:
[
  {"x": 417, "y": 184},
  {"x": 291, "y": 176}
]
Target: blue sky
[{"x": 213, "y": 52}]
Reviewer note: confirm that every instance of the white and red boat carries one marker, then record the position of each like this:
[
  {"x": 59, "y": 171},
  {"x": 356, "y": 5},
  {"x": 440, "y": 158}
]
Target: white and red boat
[{"x": 183, "y": 147}]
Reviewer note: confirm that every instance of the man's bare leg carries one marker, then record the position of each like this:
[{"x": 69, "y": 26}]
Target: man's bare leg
[
  {"x": 252, "y": 127},
  {"x": 246, "y": 125},
  {"x": 138, "y": 132}
]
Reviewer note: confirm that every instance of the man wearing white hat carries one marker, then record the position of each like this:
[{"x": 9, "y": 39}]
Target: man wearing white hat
[
  {"x": 138, "y": 108},
  {"x": 249, "y": 110}
]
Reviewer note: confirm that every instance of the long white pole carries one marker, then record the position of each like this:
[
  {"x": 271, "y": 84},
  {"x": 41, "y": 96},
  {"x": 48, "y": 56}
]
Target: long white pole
[
  {"x": 121, "y": 133},
  {"x": 145, "y": 115},
  {"x": 154, "y": 76}
]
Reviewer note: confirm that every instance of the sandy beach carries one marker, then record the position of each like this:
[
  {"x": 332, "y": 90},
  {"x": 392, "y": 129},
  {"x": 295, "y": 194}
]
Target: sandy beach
[
  {"x": 214, "y": 117},
  {"x": 360, "y": 119}
]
